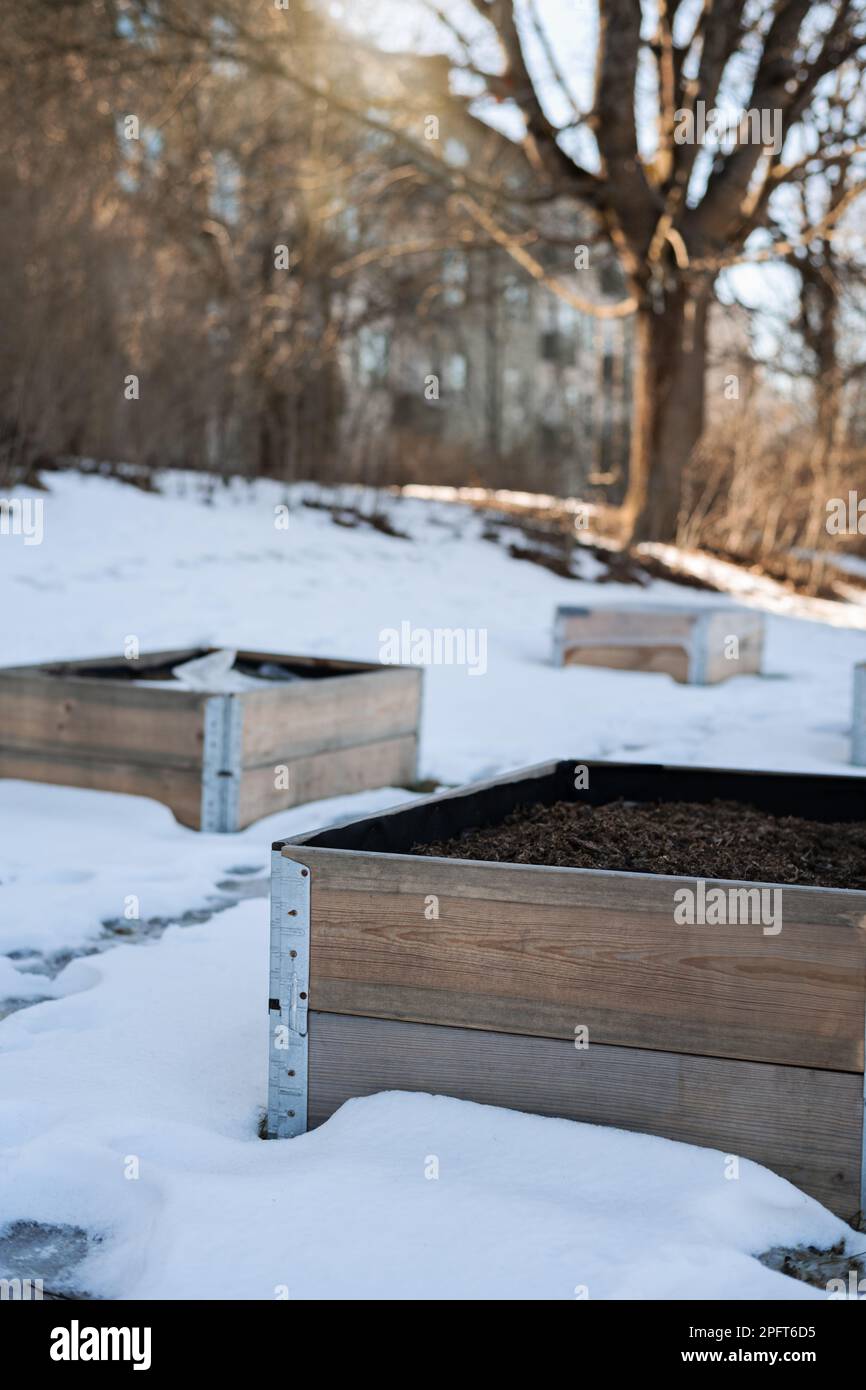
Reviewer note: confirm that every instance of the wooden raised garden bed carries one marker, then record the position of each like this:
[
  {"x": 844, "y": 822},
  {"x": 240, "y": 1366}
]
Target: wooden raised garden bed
[
  {"x": 394, "y": 969},
  {"x": 697, "y": 646},
  {"x": 220, "y": 761}
]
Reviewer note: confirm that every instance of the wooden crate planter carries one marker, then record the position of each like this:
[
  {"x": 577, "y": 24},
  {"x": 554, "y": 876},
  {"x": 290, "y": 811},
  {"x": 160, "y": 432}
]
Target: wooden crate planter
[
  {"x": 719, "y": 1036},
  {"x": 691, "y": 644},
  {"x": 212, "y": 758}
]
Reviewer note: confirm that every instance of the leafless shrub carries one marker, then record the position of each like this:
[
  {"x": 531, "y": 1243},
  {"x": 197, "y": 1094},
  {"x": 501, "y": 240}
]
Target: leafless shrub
[{"x": 759, "y": 495}]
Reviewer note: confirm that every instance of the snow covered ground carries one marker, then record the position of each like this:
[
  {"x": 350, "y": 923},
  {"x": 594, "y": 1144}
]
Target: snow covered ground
[
  {"x": 154, "y": 1066},
  {"x": 132, "y": 1078}
]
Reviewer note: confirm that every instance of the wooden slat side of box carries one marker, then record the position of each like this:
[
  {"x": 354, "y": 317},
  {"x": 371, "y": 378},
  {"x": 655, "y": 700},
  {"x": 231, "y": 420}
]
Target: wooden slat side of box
[
  {"x": 295, "y": 720},
  {"x": 524, "y": 949},
  {"x": 178, "y": 788},
  {"x": 610, "y": 626},
  {"x": 748, "y": 629},
  {"x": 110, "y": 722},
  {"x": 804, "y": 1124},
  {"x": 671, "y": 661},
  {"x": 84, "y": 669},
  {"x": 314, "y": 663},
  {"x": 390, "y": 762},
  {"x": 629, "y": 640}
]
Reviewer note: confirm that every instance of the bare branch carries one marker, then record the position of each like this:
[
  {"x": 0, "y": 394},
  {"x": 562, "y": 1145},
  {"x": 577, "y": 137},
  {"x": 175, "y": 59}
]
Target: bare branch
[
  {"x": 778, "y": 86},
  {"x": 628, "y": 195},
  {"x": 541, "y": 142},
  {"x": 397, "y": 250},
  {"x": 780, "y": 250},
  {"x": 515, "y": 248},
  {"x": 553, "y": 63}
]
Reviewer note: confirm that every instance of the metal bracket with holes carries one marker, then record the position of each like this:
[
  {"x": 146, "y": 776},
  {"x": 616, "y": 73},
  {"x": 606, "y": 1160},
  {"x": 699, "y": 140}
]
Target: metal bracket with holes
[
  {"x": 221, "y": 763},
  {"x": 289, "y": 998}
]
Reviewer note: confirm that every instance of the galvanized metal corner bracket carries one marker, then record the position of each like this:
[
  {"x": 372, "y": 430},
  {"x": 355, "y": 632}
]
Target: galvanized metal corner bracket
[
  {"x": 221, "y": 763},
  {"x": 289, "y": 991}
]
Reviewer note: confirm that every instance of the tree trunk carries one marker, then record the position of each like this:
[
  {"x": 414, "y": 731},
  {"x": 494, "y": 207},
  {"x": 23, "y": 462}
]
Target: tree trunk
[{"x": 668, "y": 413}]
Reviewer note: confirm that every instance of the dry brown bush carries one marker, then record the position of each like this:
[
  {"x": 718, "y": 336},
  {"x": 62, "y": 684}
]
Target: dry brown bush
[{"x": 758, "y": 494}]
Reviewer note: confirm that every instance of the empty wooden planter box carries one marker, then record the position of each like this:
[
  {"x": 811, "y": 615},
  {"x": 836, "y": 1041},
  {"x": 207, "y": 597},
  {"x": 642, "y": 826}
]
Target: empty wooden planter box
[
  {"x": 393, "y": 970},
  {"x": 219, "y": 761},
  {"x": 697, "y": 646}
]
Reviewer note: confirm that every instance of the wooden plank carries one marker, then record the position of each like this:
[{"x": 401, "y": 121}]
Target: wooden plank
[
  {"x": 147, "y": 661},
  {"x": 178, "y": 788},
  {"x": 110, "y": 721},
  {"x": 671, "y": 661},
  {"x": 390, "y": 762},
  {"x": 627, "y": 638},
  {"x": 748, "y": 628},
  {"x": 804, "y": 1124},
  {"x": 527, "y": 949},
  {"x": 614, "y": 624},
  {"x": 85, "y": 670},
  {"x": 291, "y": 721},
  {"x": 327, "y": 665}
]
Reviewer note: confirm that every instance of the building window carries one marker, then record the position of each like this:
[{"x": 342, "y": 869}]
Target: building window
[
  {"x": 373, "y": 354},
  {"x": 456, "y": 371}
]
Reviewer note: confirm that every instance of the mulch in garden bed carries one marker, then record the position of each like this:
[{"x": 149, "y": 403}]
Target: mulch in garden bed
[{"x": 718, "y": 839}]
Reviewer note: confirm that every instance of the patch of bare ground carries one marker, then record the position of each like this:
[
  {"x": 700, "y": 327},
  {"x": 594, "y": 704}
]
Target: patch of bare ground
[
  {"x": 352, "y": 517},
  {"x": 833, "y": 1270},
  {"x": 817, "y": 576},
  {"x": 552, "y": 544}
]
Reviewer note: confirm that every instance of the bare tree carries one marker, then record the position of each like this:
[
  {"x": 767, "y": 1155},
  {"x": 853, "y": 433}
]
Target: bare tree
[
  {"x": 193, "y": 224},
  {"x": 676, "y": 212},
  {"x": 676, "y": 207}
]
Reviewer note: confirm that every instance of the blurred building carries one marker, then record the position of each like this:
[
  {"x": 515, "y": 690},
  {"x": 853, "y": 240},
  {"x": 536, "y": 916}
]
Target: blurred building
[
  {"x": 482, "y": 373},
  {"x": 510, "y": 380}
]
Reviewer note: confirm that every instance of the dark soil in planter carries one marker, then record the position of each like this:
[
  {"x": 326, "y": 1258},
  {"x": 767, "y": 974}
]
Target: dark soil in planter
[{"x": 720, "y": 839}]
